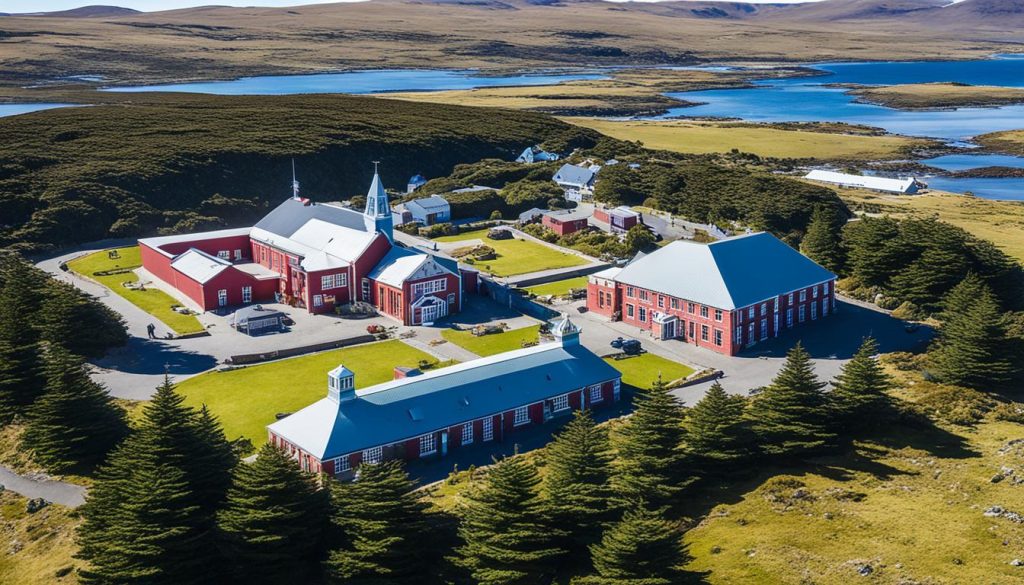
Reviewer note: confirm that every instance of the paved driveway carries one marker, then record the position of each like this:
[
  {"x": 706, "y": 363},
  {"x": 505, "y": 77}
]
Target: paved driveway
[{"x": 58, "y": 492}]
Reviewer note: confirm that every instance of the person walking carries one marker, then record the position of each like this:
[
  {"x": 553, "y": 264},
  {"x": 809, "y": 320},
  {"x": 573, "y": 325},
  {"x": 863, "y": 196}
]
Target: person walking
[{"x": 151, "y": 329}]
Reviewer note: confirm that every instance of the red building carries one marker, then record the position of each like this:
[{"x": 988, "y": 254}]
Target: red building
[
  {"x": 726, "y": 296},
  {"x": 618, "y": 219},
  {"x": 312, "y": 256},
  {"x": 565, "y": 221},
  {"x": 427, "y": 415}
]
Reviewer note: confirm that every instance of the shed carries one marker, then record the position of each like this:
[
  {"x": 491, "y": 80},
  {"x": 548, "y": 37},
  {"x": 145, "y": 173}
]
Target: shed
[
  {"x": 429, "y": 210},
  {"x": 257, "y": 320}
]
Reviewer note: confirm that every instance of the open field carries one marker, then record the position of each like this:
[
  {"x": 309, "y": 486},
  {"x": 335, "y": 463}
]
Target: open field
[
  {"x": 1009, "y": 141},
  {"x": 517, "y": 256},
  {"x": 494, "y": 343},
  {"x": 1000, "y": 222},
  {"x": 247, "y": 399},
  {"x": 642, "y": 371},
  {"x": 151, "y": 300},
  {"x": 37, "y": 547},
  {"x": 763, "y": 140},
  {"x": 559, "y": 287},
  {"x": 922, "y": 96}
]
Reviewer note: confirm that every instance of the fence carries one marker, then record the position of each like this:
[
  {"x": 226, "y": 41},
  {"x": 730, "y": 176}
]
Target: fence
[{"x": 252, "y": 358}]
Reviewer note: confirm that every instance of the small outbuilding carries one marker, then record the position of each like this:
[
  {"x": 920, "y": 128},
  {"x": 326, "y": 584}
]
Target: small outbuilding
[
  {"x": 257, "y": 320},
  {"x": 429, "y": 210},
  {"x": 565, "y": 221}
]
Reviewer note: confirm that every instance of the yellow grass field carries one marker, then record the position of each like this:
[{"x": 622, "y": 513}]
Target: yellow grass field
[
  {"x": 914, "y": 96},
  {"x": 517, "y": 256},
  {"x": 1008, "y": 141}
]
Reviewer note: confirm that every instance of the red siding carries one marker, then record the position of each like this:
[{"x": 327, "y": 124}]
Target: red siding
[
  {"x": 213, "y": 245},
  {"x": 158, "y": 264},
  {"x": 563, "y": 227},
  {"x": 451, "y": 287}
]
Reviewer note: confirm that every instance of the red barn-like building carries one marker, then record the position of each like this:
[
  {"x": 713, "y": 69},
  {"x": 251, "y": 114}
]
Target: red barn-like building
[
  {"x": 565, "y": 221},
  {"x": 310, "y": 255},
  {"x": 725, "y": 296}
]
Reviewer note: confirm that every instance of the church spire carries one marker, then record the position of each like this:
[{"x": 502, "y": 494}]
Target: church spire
[
  {"x": 295, "y": 183},
  {"x": 377, "y": 215}
]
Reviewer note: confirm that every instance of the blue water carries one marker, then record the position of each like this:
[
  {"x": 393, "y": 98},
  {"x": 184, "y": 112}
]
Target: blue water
[
  {"x": 15, "y": 109},
  {"x": 360, "y": 82},
  {"x": 1011, "y": 188},
  {"x": 961, "y": 162}
]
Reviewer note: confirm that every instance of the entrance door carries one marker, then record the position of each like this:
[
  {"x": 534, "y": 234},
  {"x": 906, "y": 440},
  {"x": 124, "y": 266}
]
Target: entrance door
[
  {"x": 222, "y": 298},
  {"x": 668, "y": 329}
]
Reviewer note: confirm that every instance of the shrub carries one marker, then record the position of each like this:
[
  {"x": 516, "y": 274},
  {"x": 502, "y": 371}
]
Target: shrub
[{"x": 952, "y": 404}]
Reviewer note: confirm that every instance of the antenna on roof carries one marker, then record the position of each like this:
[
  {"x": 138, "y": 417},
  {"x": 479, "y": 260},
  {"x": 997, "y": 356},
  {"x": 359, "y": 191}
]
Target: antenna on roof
[
  {"x": 376, "y": 163},
  {"x": 295, "y": 182}
]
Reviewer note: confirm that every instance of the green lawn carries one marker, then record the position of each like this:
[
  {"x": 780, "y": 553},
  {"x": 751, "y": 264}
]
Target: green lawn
[
  {"x": 517, "y": 256},
  {"x": 493, "y": 343},
  {"x": 643, "y": 370},
  {"x": 246, "y": 400},
  {"x": 152, "y": 300},
  {"x": 559, "y": 287}
]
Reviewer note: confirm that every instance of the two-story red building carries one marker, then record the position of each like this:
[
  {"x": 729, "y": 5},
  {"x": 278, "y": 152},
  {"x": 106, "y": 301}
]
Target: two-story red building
[
  {"x": 314, "y": 256},
  {"x": 726, "y": 296},
  {"x": 430, "y": 414},
  {"x": 565, "y": 221}
]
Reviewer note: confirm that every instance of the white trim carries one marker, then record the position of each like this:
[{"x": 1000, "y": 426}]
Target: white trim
[
  {"x": 373, "y": 454},
  {"x": 521, "y": 416}
]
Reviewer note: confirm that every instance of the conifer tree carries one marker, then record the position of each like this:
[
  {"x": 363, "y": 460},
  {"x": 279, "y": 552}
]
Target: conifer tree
[
  {"x": 962, "y": 297},
  {"x": 650, "y": 463},
  {"x": 75, "y": 421},
  {"x": 641, "y": 549},
  {"x": 717, "y": 434},
  {"x": 507, "y": 540},
  {"x": 150, "y": 516},
  {"x": 859, "y": 393},
  {"x": 823, "y": 242},
  {"x": 791, "y": 415},
  {"x": 84, "y": 326},
  {"x": 21, "y": 369},
  {"x": 380, "y": 527},
  {"x": 272, "y": 521},
  {"x": 577, "y": 484},
  {"x": 971, "y": 348}
]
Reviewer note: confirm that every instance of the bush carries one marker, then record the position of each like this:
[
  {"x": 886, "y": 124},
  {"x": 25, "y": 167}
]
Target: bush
[{"x": 951, "y": 404}]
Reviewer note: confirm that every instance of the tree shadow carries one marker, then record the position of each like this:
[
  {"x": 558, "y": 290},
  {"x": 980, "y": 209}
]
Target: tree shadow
[{"x": 153, "y": 356}]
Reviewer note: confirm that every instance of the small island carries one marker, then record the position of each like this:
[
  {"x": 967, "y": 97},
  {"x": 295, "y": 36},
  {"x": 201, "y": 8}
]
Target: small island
[
  {"x": 1006, "y": 141},
  {"x": 925, "y": 96}
]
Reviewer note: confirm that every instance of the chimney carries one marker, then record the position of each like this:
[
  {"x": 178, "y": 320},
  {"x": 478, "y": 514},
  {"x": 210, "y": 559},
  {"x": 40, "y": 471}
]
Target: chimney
[
  {"x": 341, "y": 384},
  {"x": 405, "y": 372}
]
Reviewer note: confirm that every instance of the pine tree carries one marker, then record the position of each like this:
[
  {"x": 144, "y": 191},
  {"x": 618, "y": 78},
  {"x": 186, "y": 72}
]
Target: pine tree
[
  {"x": 507, "y": 540},
  {"x": 716, "y": 432},
  {"x": 577, "y": 484},
  {"x": 926, "y": 279},
  {"x": 21, "y": 370},
  {"x": 859, "y": 395},
  {"x": 75, "y": 320},
  {"x": 791, "y": 415},
  {"x": 650, "y": 463},
  {"x": 962, "y": 296},
  {"x": 641, "y": 549},
  {"x": 150, "y": 516},
  {"x": 971, "y": 348},
  {"x": 75, "y": 421},
  {"x": 823, "y": 242},
  {"x": 272, "y": 521},
  {"x": 381, "y": 529}
]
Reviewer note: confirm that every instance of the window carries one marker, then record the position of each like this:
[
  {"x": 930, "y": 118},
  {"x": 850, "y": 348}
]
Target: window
[
  {"x": 661, "y": 302},
  {"x": 718, "y": 314},
  {"x": 814, "y": 310},
  {"x": 691, "y": 330},
  {"x": 824, "y": 289},
  {"x": 764, "y": 309},
  {"x": 263, "y": 254},
  {"x": 750, "y": 333},
  {"x": 776, "y": 325},
  {"x": 366, "y": 289},
  {"x": 595, "y": 393},
  {"x": 559, "y": 403},
  {"x": 643, "y": 295},
  {"x": 803, "y": 312},
  {"x": 428, "y": 444},
  {"x": 246, "y": 294},
  {"x": 764, "y": 329},
  {"x": 333, "y": 281},
  {"x": 643, "y": 314},
  {"x": 718, "y": 337},
  {"x": 750, "y": 313},
  {"x": 789, "y": 317},
  {"x": 522, "y": 416},
  {"x": 224, "y": 255},
  {"x": 629, "y": 311},
  {"x": 341, "y": 465},
  {"x": 488, "y": 429},
  {"x": 425, "y": 288},
  {"x": 803, "y": 296},
  {"x": 704, "y": 332},
  {"x": 814, "y": 292},
  {"x": 318, "y": 300},
  {"x": 629, "y": 291},
  {"x": 222, "y": 297},
  {"x": 777, "y": 303},
  {"x": 790, "y": 298},
  {"x": 675, "y": 303},
  {"x": 690, "y": 308},
  {"x": 704, "y": 311},
  {"x": 824, "y": 307},
  {"x": 238, "y": 254},
  {"x": 373, "y": 455},
  {"x": 467, "y": 433},
  {"x": 739, "y": 335}
]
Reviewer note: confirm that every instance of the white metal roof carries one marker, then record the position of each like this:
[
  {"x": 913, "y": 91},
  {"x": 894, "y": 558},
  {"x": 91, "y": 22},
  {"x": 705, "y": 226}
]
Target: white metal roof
[
  {"x": 258, "y": 270},
  {"x": 321, "y": 244},
  {"x": 156, "y": 242},
  {"x": 876, "y": 183},
  {"x": 608, "y": 273},
  {"x": 402, "y": 264},
  {"x": 199, "y": 266}
]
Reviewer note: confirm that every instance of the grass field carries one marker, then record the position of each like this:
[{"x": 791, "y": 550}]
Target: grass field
[
  {"x": 707, "y": 137},
  {"x": 1000, "y": 222},
  {"x": 152, "y": 300},
  {"x": 916, "y": 96},
  {"x": 247, "y": 399},
  {"x": 485, "y": 345},
  {"x": 559, "y": 287},
  {"x": 37, "y": 548},
  {"x": 642, "y": 371},
  {"x": 1008, "y": 141},
  {"x": 517, "y": 256}
]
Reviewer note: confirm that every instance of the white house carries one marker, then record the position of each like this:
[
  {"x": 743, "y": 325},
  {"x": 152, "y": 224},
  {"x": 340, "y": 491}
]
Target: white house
[
  {"x": 907, "y": 186},
  {"x": 429, "y": 210},
  {"x": 576, "y": 181}
]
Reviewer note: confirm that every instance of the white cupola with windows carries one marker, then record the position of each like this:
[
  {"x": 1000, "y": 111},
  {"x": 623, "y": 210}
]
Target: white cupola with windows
[
  {"x": 341, "y": 384},
  {"x": 566, "y": 332}
]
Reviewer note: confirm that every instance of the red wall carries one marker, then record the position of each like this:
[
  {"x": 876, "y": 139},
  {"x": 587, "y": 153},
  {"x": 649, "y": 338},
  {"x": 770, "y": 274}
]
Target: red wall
[
  {"x": 156, "y": 263},
  {"x": 212, "y": 246},
  {"x": 602, "y": 299},
  {"x": 563, "y": 227},
  {"x": 451, "y": 286}
]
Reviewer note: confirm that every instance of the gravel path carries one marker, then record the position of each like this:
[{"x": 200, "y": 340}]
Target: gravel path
[{"x": 58, "y": 492}]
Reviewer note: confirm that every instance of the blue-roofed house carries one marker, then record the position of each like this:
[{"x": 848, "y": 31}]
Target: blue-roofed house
[
  {"x": 415, "y": 182},
  {"x": 576, "y": 181},
  {"x": 534, "y": 154},
  {"x": 726, "y": 296},
  {"x": 429, "y": 210},
  {"x": 430, "y": 414}
]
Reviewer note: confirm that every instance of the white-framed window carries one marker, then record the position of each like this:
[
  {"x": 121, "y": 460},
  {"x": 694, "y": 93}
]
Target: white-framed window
[
  {"x": 594, "y": 393},
  {"x": 643, "y": 314},
  {"x": 246, "y": 294},
  {"x": 425, "y": 288},
  {"x": 675, "y": 303},
  {"x": 776, "y": 328},
  {"x": 559, "y": 403},
  {"x": 738, "y": 334},
  {"x": 814, "y": 292},
  {"x": 522, "y": 416},
  {"x": 222, "y": 297},
  {"x": 366, "y": 289},
  {"x": 703, "y": 332},
  {"x": 330, "y": 281},
  {"x": 224, "y": 254},
  {"x": 690, "y": 308},
  {"x": 790, "y": 298},
  {"x": 318, "y": 300},
  {"x": 373, "y": 455},
  {"x": 824, "y": 307},
  {"x": 718, "y": 314},
  {"x": 238, "y": 254},
  {"x": 428, "y": 444},
  {"x": 704, "y": 311},
  {"x": 467, "y": 433},
  {"x": 629, "y": 310},
  {"x": 789, "y": 317},
  {"x": 803, "y": 313},
  {"x": 488, "y": 429},
  {"x": 824, "y": 289},
  {"x": 764, "y": 329},
  {"x": 629, "y": 291},
  {"x": 814, "y": 310},
  {"x": 764, "y": 309},
  {"x": 341, "y": 464},
  {"x": 644, "y": 295},
  {"x": 718, "y": 337},
  {"x": 803, "y": 295},
  {"x": 661, "y": 302},
  {"x": 750, "y": 313}
]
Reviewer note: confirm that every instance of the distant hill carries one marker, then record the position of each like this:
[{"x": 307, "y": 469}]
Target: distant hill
[{"x": 94, "y": 11}]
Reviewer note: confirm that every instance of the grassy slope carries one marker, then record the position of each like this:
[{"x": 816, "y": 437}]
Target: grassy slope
[
  {"x": 643, "y": 370},
  {"x": 1009, "y": 141},
  {"x": 517, "y": 256},
  {"x": 914, "y": 96},
  {"x": 494, "y": 343},
  {"x": 1000, "y": 222},
  {"x": 247, "y": 399},
  {"x": 559, "y": 287},
  {"x": 44, "y": 543},
  {"x": 705, "y": 137},
  {"x": 151, "y": 300}
]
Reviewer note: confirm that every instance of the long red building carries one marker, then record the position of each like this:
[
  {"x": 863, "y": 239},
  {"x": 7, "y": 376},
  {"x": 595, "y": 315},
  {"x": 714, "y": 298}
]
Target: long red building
[
  {"x": 725, "y": 296},
  {"x": 313, "y": 256}
]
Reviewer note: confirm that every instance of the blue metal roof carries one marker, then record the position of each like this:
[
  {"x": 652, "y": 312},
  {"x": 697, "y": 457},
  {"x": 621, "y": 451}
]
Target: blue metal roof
[
  {"x": 432, "y": 203},
  {"x": 410, "y": 407},
  {"x": 287, "y": 218},
  {"x": 573, "y": 175}
]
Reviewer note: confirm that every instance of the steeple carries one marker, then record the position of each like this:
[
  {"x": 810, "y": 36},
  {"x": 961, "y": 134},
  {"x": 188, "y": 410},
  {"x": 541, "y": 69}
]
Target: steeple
[
  {"x": 295, "y": 183},
  {"x": 377, "y": 216},
  {"x": 566, "y": 332}
]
